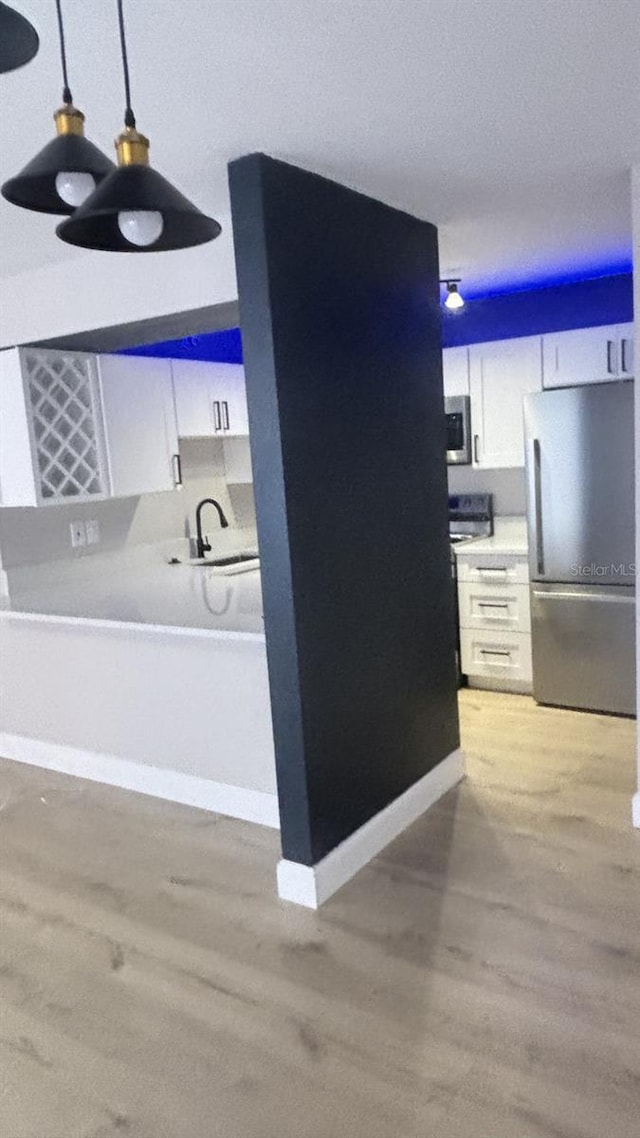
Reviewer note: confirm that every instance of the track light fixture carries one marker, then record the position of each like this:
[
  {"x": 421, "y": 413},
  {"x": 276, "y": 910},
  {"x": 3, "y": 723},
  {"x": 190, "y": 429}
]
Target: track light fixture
[
  {"x": 453, "y": 301},
  {"x": 19, "y": 40},
  {"x": 69, "y": 167},
  {"x": 135, "y": 209}
]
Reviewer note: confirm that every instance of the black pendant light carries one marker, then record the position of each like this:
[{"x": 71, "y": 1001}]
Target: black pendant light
[
  {"x": 135, "y": 209},
  {"x": 68, "y": 168},
  {"x": 18, "y": 39}
]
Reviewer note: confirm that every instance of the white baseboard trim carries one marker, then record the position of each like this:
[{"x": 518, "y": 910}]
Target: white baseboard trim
[
  {"x": 491, "y": 683},
  {"x": 190, "y": 790},
  {"x": 636, "y": 809},
  {"x": 312, "y": 885}
]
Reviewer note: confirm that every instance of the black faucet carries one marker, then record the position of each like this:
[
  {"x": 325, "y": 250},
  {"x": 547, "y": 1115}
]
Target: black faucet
[{"x": 202, "y": 545}]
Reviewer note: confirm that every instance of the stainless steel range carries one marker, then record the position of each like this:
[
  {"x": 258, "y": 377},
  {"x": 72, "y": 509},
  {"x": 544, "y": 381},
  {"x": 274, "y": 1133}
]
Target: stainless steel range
[{"x": 470, "y": 516}]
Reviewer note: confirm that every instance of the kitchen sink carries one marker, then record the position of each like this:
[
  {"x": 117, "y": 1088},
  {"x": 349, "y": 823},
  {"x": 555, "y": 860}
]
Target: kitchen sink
[
  {"x": 234, "y": 559},
  {"x": 231, "y": 563}
]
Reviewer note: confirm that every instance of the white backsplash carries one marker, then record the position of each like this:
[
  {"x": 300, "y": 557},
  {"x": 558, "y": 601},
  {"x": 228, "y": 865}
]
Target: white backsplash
[
  {"x": 507, "y": 487},
  {"x": 34, "y": 536}
]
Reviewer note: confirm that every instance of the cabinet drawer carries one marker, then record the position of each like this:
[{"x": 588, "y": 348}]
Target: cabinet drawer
[
  {"x": 496, "y": 654},
  {"x": 489, "y": 568},
  {"x": 490, "y": 606}
]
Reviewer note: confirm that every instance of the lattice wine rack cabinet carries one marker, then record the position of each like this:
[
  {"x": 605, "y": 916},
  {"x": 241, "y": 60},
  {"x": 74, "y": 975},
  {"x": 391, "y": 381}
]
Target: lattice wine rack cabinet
[
  {"x": 75, "y": 427},
  {"x": 65, "y": 423}
]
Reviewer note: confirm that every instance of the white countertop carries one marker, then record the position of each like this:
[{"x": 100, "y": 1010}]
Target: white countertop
[
  {"x": 509, "y": 537},
  {"x": 142, "y": 589}
]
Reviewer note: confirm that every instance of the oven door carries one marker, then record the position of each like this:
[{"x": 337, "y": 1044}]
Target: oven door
[{"x": 457, "y": 410}]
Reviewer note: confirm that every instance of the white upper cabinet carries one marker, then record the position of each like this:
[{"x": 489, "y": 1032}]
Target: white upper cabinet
[
  {"x": 588, "y": 355},
  {"x": 501, "y": 373},
  {"x": 210, "y": 399},
  {"x": 455, "y": 371},
  {"x": 140, "y": 428},
  {"x": 194, "y": 403},
  {"x": 235, "y": 414},
  {"x": 52, "y": 446},
  {"x": 75, "y": 429}
]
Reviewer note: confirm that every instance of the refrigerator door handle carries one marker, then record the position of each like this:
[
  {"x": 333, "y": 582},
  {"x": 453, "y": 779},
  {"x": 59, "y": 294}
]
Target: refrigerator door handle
[
  {"x": 535, "y": 498},
  {"x": 626, "y": 596}
]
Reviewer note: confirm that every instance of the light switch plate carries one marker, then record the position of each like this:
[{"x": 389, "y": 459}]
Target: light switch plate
[
  {"x": 78, "y": 534},
  {"x": 93, "y": 531}
]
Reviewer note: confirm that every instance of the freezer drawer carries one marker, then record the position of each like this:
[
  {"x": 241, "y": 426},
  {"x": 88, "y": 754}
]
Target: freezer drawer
[{"x": 584, "y": 647}]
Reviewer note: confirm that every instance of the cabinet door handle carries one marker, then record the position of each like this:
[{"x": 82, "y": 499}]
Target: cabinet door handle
[
  {"x": 623, "y": 355},
  {"x": 217, "y": 417},
  {"x": 534, "y": 474},
  {"x": 177, "y": 469},
  {"x": 225, "y": 413},
  {"x": 611, "y": 367},
  {"x": 476, "y": 439}
]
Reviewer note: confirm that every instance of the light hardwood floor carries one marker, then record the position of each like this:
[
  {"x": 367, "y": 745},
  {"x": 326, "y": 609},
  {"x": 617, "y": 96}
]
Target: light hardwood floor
[{"x": 481, "y": 979}]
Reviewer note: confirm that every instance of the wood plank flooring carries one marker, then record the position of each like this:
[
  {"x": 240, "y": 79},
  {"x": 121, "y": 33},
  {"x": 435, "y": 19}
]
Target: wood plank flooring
[{"x": 481, "y": 979}]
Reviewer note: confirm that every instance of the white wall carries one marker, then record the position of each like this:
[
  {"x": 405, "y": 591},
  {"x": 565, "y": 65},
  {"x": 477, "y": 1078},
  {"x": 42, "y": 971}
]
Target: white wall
[
  {"x": 95, "y": 290},
  {"x": 636, "y": 207}
]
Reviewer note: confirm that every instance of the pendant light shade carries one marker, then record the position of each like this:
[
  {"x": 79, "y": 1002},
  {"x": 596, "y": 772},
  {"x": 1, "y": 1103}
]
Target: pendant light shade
[
  {"x": 68, "y": 168},
  {"x": 65, "y": 170},
  {"x": 18, "y": 39},
  {"x": 135, "y": 209}
]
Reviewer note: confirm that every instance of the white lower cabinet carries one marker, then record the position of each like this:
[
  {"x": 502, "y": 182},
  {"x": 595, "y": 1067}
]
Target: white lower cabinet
[
  {"x": 495, "y": 621},
  {"x": 494, "y": 606},
  {"x": 503, "y": 657}
]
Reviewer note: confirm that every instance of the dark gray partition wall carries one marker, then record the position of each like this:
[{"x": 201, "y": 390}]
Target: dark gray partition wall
[{"x": 339, "y": 309}]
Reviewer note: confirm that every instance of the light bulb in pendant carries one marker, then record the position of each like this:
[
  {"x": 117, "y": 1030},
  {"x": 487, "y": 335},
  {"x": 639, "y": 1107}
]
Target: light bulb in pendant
[
  {"x": 140, "y": 227},
  {"x": 74, "y": 187}
]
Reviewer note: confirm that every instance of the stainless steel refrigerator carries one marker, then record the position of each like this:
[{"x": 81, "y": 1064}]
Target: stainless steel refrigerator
[{"x": 581, "y": 519}]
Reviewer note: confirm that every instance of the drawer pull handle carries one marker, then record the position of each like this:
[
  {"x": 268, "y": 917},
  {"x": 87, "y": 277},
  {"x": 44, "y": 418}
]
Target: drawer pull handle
[
  {"x": 494, "y": 652},
  {"x": 493, "y": 604},
  {"x": 491, "y": 568}
]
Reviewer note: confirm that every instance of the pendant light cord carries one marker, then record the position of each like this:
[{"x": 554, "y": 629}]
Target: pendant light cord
[
  {"x": 66, "y": 92},
  {"x": 129, "y": 117}
]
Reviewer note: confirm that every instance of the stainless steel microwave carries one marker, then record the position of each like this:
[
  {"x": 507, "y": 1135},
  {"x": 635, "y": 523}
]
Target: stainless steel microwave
[{"x": 457, "y": 409}]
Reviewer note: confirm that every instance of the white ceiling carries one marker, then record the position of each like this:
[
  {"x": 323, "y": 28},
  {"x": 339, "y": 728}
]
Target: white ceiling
[{"x": 510, "y": 123}]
